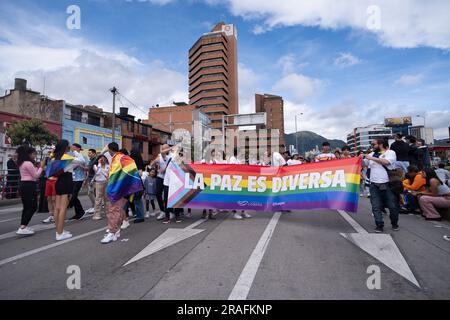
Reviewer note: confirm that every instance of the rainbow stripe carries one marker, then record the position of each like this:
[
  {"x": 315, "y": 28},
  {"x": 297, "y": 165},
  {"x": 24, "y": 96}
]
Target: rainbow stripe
[
  {"x": 313, "y": 197},
  {"x": 56, "y": 167},
  {"x": 124, "y": 179}
]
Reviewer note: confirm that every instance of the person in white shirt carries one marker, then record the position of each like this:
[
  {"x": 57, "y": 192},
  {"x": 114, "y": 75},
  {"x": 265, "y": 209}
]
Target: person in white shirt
[
  {"x": 160, "y": 163},
  {"x": 443, "y": 174},
  {"x": 278, "y": 160},
  {"x": 295, "y": 160},
  {"x": 381, "y": 195},
  {"x": 234, "y": 160},
  {"x": 101, "y": 172}
]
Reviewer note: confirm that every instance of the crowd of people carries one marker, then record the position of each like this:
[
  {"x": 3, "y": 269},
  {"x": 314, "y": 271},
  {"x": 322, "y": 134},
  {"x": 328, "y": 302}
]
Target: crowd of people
[{"x": 397, "y": 177}]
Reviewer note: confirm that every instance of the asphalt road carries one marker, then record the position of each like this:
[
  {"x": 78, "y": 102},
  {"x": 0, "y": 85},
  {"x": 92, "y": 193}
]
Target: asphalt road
[{"x": 295, "y": 255}]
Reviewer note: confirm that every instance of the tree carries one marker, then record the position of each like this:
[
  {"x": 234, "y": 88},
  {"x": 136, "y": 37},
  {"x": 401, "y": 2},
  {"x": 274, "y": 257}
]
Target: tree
[{"x": 31, "y": 132}]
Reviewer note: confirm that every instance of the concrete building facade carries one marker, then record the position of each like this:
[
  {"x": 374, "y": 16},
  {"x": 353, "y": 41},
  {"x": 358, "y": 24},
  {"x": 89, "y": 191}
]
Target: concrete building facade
[
  {"x": 273, "y": 106},
  {"x": 213, "y": 79},
  {"x": 361, "y": 137}
]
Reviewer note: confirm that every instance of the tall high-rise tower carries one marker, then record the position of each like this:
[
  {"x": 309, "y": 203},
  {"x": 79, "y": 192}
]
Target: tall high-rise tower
[{"x": 213, "y": 83}]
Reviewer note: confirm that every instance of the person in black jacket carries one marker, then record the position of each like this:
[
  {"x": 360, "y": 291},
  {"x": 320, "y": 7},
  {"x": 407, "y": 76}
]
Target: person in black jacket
[
  {"x": 423, "y": 154},
  {"x": 13, "y": 178},
  {"x": 413, "y": 155},
  {"x": 401, "y": 149}
]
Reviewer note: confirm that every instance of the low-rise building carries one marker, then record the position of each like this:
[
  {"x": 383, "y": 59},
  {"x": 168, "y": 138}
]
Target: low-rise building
[{"x": 361, "y": 137}]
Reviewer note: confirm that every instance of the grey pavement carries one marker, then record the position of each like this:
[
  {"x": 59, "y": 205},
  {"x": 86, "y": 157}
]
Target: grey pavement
[{"x": 305, "y": 258}]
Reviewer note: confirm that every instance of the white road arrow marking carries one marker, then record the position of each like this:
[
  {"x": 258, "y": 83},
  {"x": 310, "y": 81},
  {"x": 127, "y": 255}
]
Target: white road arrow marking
[
  {"x": 167, "y": 239},
  {"x": 380, "y": 246}
]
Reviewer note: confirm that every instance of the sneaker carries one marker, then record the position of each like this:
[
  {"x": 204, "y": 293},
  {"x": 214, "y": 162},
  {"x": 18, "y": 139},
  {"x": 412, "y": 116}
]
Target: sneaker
[
  {"x": 25, "y": 231},
  {"x": 117, "y": 234},
  {"x": 188, "y": 215},
  {"x": 447, "y": 238},
  {"x": 90, "y": 210},
  {"x": 237, "y": 216},
  {"x": 48, "y": 220},
  {"x": 125, "y": 224},
  {"x": 361, "y": 194},
  {"x": 166, "y": 221},
  {"x": 147, "y": 215},
  {"x": 63, "y": 236},
  {"x": 395, "y": 227},
  {"x": 246, "y": 215},
  {"x": 96, "y": 217},
  {"x": 139, "y": 220},
  {"x": 368, "y": 196},
  {"x": 178, "y": 220},
  {"x": 109, "y": 237},
  {"x": 379, "y": 230},
  {"x": 161, "y": 216},
  {"x": 211, "y": 217}
]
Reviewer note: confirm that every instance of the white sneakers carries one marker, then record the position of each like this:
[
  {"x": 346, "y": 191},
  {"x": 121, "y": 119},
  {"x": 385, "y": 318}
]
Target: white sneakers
[
  {"x": 91, "y": 210},
  {"x": 125, "y": 224},
  {"x": 161, "y": 216},
  {"x": 25, "y": 231},
  {"x": 147, "y": 215},
  {"x": 109, "y": 237},
  {"x": 242, "y": 215},
  {"x": 63, "y": 236},
  {"x": 48, "y": 220},
  {"x": 237, "y": 216}
]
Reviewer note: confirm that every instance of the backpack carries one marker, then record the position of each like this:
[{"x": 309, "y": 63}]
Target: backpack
[{"x": 395, "y": 180}]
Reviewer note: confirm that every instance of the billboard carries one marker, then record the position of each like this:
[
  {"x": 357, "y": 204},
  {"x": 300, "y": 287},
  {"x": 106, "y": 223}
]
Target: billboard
[{"x": 399, "y": 121}]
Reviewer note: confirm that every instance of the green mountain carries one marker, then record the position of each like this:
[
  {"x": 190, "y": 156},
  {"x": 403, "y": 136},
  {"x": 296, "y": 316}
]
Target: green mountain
[{"x": 308, "y": 140}]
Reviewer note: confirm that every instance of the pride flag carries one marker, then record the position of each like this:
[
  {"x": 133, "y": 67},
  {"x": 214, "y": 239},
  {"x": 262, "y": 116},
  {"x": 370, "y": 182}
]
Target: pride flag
[
  {"x": 323, "y": 185},
  {"x": 56, "y": 167},
  {"x": 124, "y": 179}
]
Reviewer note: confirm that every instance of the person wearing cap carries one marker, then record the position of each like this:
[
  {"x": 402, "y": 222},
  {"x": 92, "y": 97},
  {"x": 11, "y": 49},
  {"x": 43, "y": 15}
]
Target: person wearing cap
[{"x": 79, "y": 173}]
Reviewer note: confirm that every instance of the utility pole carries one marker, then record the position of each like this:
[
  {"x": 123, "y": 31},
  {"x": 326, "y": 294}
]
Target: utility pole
[
  {"x": 296, "y": 135},
  {"x": 114, "y": 91}
]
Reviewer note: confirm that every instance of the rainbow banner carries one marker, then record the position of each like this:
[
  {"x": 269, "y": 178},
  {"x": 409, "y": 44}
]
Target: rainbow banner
[
  {"x": 323, "y": 185},
  {"x": 124, "y": 179},
  {"x": 56, "y": 167}
]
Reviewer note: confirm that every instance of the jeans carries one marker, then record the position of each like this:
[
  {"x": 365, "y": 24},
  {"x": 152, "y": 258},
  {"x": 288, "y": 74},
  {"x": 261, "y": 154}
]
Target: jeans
[
  {"x": 382, "y": 197},
  {"x": 139, "y": 206}
]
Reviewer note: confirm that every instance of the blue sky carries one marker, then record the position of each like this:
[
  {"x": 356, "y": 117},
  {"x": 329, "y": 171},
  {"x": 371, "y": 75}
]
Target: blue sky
[{"x": 319, "y": 56}]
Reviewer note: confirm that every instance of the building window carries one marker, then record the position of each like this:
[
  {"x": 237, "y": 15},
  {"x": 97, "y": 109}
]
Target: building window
[
  {"x": 76, "y": 115},
  {"x": 93, "y": 120},
  {"x": 144, "y": 130}
]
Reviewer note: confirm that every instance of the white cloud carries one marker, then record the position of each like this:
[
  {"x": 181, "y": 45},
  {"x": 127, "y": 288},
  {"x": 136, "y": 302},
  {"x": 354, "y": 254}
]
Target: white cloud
[
  {"x": 298, "y": 86},
  {"x": 248, "y": 86},
  {"x": 79, "y": 71},
  {"x": 409, "y": 79},
  {"x": 345, "y": 60},
  {"x": 403, "y": 23}
]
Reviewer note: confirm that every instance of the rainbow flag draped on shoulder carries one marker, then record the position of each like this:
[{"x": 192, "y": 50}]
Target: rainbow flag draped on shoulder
[
  {"x": 124, "y": 179},
  {"x": 56, "y": 167},
  {"x": 323, "y": 185}
]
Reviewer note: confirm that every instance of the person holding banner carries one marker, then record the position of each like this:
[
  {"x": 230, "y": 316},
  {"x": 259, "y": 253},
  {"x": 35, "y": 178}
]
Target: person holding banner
[
  {"x": 178, "y": 158},
  {"x": 234, "y": 160},
  {"x": 381, "y": 196},
  {"x": 326, "y": 154},
  {"x": 160, "y": 163}
]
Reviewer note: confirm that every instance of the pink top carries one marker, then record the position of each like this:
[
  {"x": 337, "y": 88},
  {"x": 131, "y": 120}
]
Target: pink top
[{"x": 28, "y": 172}]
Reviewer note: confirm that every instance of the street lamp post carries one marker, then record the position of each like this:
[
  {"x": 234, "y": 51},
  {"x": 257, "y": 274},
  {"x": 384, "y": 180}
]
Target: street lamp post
[
  {"x": 114, "y": 91},
  {"x": 296, "y": 134}
]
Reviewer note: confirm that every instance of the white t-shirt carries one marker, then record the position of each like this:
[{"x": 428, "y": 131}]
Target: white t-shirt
[
  {"x": 163, "y": 164},
  {"x": 293, "y": 162},
  {"x": 233, "y": 160},
  {"x": 101, "y": 174},
  {"x": 278, "y": 160},
  {"x": 377, "y": 172}
]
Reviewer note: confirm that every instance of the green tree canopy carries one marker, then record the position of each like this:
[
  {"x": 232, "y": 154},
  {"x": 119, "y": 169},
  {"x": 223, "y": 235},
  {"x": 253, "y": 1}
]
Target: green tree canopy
[{"x": 32, "y": 132}]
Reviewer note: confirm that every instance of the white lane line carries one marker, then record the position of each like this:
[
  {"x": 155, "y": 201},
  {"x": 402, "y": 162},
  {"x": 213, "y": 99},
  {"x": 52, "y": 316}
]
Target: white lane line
[
  {"x": 352, "y": 222},
  {"x": 244, "y": 283},
  {"x": 1, "y": 221},
  {"x": 47, "y": 247}
]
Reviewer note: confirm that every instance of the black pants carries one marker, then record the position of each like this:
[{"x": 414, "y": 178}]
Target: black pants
[
  {"x": 168, "y": 211},
  {"x": 152, "y": 202},
  {"x": 29, "y": 200},
  {"x": 74, "y": 201},
  {"x": 159, "y": 194}
]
